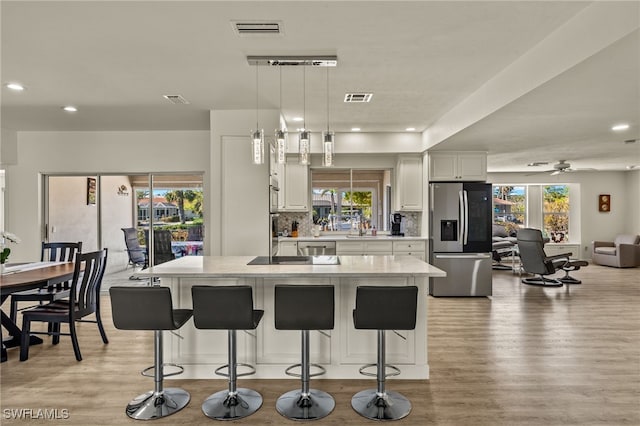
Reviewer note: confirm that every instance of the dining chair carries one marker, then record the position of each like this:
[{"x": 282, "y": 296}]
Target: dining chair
[
  {"x": 52, "y": 252},
  {"x": 84, "y": 300}
]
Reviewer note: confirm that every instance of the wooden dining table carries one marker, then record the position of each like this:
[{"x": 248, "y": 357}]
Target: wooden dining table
[{"x": 25, "y": 277}]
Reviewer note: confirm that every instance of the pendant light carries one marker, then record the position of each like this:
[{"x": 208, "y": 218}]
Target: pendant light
[
  {"x": 281, "y": 141},
  {"x": 257, "y": 135},
  {"x": 327, "y": 136},
  {"x": 304, "y": 141}
]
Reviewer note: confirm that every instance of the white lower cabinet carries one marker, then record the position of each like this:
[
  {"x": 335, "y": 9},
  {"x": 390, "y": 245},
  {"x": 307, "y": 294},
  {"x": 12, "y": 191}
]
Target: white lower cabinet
[
  {"x": 364, "y": 248},
  {"x": 342, "y": 351},
  {"x": 287, "y": 248},
  {"x": 411, "y": 248},
  {"x": 556, "y": 249}
]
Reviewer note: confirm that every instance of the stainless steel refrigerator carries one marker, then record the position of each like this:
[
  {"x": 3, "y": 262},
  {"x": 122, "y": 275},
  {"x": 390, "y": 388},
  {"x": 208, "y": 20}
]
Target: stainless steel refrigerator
[{"x": 460, "y": 238}]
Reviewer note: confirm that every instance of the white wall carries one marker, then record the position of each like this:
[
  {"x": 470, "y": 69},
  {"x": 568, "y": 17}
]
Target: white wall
[
  {"x": 633, "y": 200},
  {"x": 89, "y": 153},
  {"x": 70, "y": 217},
  {"x": 239, "y": 189},
  {"x": 594, "y": 225}
]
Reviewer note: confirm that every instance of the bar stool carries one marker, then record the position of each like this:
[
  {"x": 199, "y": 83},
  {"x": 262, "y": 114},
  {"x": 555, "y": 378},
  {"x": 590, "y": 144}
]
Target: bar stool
[
  {"x": 228, "y": 308},
  {"x": 383, "y": 308},
  {"x": 150, "y": 308},
  {"x": 304, "y": 307}
]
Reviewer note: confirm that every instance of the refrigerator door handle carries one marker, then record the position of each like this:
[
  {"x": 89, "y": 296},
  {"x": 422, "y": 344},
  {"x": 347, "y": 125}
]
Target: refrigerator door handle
[
  {"x": 465, "y": 219},
  {"x": 461, "y": 208}
]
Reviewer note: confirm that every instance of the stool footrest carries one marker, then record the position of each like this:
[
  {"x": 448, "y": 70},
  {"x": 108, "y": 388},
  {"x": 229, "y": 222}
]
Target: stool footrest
[
  {"x": 395, "y": 370},
  {"x": 179, "y": 367},
  {"x": 291, "y": 367},
  {"x": 252, "y": 370}
]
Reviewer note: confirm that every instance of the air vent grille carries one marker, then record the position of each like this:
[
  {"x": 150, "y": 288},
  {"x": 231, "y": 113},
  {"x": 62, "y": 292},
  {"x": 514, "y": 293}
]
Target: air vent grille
[
  {"x": 280, "y": 61},
  {"x": 257, "y": 28},
  {"x": 358, "y": 97},
  {"x": 176, "y": 99}
]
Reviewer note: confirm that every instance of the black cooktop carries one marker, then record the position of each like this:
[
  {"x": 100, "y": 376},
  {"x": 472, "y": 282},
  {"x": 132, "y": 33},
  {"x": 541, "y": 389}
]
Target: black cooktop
[{"x": 295, "y": 260}]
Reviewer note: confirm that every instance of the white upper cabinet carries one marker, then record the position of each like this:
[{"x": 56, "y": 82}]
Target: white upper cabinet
[
  {"x": 409, "y": 184},
  {"x": 458, "y": 166},
  {"x": 294, "y": 187}
]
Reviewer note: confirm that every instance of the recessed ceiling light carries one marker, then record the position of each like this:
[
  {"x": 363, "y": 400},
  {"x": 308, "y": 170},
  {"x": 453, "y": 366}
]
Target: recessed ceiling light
[
  {"x": 298, "y": 119},
  {"x": 631, "y": 167},
  {"x": 70, "y": 108},
  {"x": 355, "y": 129},
  {"x": 15, "y": 86},
  {"x": 620, "y": 127},
  {"x": 410, "y": 129}
]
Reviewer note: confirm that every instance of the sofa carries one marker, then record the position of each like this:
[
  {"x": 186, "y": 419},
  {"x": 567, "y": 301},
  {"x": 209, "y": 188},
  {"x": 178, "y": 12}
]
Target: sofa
[{"x": 623, "y": 252}]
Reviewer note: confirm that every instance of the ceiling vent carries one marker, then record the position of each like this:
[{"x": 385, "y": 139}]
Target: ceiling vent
[
  {"x": 280, "y": 61},
  {"x": 176, "y": 99},
  {"x": 358, "y": 97},
  {"x": 249, "y": 28}
]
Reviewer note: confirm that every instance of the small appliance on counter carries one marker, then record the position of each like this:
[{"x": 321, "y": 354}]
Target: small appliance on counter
[{"x": 397, "y": 228}]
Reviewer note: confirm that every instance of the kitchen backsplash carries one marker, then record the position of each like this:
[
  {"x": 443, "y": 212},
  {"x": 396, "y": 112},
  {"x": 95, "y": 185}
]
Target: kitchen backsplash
[{"x": 411, "y": 222}]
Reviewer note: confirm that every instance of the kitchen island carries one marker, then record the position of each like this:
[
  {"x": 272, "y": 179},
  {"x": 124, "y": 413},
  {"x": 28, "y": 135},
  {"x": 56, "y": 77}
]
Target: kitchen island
[{"x": 342, "y": 351}]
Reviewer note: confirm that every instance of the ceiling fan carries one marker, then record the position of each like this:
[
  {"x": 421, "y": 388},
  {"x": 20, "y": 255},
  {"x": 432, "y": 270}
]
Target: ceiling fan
[{"x": 560, "y": 167}]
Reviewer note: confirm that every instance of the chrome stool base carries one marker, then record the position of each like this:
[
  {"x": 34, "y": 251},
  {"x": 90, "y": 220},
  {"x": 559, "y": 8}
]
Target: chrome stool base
[
  {"x": 316, "y": 405},
  {"x": 150, "y": 405},
  {"x": 225, "y": 406},
  {"x": 375, "y": 406}
]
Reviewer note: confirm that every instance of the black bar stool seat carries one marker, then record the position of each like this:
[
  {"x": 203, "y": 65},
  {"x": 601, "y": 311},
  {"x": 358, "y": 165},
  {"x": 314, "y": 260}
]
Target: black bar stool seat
[
  {"x": 151, "y": 308},
  {"x": 383, "y": 308},
  {"x": 304, "y": 307},
  {"x": 228, "y": 308}
]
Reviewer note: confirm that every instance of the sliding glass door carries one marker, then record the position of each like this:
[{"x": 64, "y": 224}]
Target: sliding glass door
[{"x": 95, "y": 209}]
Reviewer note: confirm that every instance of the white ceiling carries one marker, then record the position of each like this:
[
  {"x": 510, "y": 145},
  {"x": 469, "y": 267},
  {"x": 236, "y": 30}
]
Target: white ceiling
[{"x": 457, "y": 66}]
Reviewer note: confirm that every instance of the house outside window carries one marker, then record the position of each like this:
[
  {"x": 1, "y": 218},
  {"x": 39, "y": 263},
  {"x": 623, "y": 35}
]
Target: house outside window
[
  {"x": 344, "y": 199},
  {"x": 510, "y": 205}
]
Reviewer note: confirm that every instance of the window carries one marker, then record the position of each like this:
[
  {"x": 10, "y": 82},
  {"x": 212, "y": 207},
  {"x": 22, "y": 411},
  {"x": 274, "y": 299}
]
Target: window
[
  {"x": 544, "y": 207},
  {"x": 344, "y": 199},
  {"x": 510, "y": 205},
  {"x": 555, "y": 214}
]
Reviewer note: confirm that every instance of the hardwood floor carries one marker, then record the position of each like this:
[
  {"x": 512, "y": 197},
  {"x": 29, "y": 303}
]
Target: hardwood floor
[{"x": 526, "y": 356}]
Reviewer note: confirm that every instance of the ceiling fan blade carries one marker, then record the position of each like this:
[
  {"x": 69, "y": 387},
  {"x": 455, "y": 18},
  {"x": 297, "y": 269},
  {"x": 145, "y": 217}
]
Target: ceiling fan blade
[{"x": 555, "y": 172}]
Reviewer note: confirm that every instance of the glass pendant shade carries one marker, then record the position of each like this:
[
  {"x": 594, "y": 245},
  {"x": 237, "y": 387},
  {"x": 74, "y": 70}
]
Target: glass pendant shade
[
  {"x": 257, "y": 145},
  {"x": 304, "y": 147},
  {"x": 327, "y": 148},
  {"x": 281, "y": 147}
]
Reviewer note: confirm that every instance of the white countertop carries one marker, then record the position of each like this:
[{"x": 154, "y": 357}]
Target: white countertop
[{"x": 236, "y": 266}]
